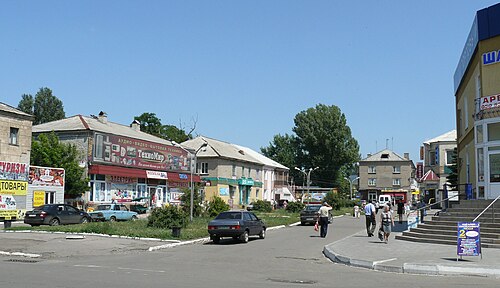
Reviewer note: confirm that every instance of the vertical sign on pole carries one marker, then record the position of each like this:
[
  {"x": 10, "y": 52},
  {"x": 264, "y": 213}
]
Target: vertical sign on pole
[{"x": 468, "y": 239}]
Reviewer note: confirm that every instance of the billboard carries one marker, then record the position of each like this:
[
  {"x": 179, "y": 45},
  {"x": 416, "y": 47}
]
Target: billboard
[
  {"x": 13, "y": 171},
  {"x": 420, "y": 170},
  {"x": 45, "y": 176},
  {"x": 129, "y": 152}
]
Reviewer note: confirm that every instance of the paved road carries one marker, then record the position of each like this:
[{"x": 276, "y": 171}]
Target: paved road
[{"x": 289, "y": 257}]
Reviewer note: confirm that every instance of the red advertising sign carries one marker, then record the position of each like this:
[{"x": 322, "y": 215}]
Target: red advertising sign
[
  {"x": 129, "y": 152},
  {"x": 13, "y": 171},
  {"x": 44, "y": 176},
  {"x": 420, "y": 170}
]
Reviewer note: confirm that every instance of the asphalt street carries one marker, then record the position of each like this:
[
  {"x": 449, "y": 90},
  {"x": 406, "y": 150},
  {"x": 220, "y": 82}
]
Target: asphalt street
[{"x": 289, "y": 257}]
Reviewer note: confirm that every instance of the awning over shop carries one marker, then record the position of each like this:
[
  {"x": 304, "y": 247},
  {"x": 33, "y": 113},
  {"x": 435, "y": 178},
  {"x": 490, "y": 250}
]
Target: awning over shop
[
  {"x": 117, "y": 171},
  {"x": 182, "y": 177},
  {"x": 429, "y": 176}
]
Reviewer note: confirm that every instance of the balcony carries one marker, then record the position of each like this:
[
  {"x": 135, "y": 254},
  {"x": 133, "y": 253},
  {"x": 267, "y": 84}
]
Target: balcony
[
  {"x": 280, "y": 183},
  {"x": 486, "y": 111}
]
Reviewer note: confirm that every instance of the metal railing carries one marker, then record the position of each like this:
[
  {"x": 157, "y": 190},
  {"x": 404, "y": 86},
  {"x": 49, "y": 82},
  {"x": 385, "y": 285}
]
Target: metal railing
[
  {"x": 488, "y": 207},
  {"x": 430, "y": 205}
]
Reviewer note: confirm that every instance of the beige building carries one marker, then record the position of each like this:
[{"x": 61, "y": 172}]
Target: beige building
[
  {"x": 385, "y": 172},
  {"x": 477, "y": 100},
  {"x": 237, "y": 174},
  {"x": 15, "y": 128}
]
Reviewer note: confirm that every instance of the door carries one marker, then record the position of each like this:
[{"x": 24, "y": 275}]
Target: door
[
  {"x": 494, "y": 174},
  {"x": 73, "y": 215},
  {"x": 249, "y": 223}
]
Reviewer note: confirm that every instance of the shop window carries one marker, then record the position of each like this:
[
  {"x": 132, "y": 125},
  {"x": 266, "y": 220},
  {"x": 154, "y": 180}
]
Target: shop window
[
  {"x": 100, "y": 177},
  {"x": 495, "y": 168},
  {"x": 396, "y": 182},
  {"x": 14, "y": 136},
  {"x": 396, "y": 169},
  {"x": 372, "y": 196},
  {"x": 480, "y": 165},
  {"x": 494, "y": 131},
  {"x": 372, "y": 182},
  {"x": 100, "y": 192},
  {"x": 141, "y": 190},
  {"x": 141, "y": 180},
  {"x": 372, "y": 169},
  {"x": 50, "y": 197},
  {"x": 479, "y": 134}
]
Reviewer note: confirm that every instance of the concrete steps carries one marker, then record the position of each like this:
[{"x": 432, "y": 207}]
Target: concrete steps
[{"x": 442, "y": 229}]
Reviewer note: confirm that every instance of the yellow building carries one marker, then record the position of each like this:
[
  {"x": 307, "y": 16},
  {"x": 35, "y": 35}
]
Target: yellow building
[{"x": 477, "y": 96}]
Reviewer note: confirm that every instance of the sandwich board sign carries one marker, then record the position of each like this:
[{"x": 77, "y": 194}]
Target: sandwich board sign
[{"x": 468, "y": 239}]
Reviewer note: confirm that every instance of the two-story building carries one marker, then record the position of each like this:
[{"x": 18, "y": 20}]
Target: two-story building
[
  {"x": 237, "y": 174},
  {"x": 122, "y": 162},
  {"x": 438, "y": 157},
  {"x": 386, "y": 172}
]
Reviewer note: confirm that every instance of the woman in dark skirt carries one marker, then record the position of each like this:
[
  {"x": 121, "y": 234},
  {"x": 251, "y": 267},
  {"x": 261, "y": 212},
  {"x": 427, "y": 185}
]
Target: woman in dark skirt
[{"x": 387, "y": 222}]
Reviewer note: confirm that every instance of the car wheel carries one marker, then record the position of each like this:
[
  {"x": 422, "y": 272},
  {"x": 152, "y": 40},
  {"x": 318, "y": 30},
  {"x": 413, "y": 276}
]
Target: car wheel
[
  {"x": 244, "y": 237},
  {"x": 54, "y": 222},
  {"x": 112, "y": 219},
  {"x": 216, "y": 240},
  {"x": 84, "y": 220},
  {"x": 262, "y": 234},
  {"x": 134, "y": 218},
  {"x": 303, "y": 223}
]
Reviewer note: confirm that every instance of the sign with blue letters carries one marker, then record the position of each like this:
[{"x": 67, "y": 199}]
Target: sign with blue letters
[{"x": 491, "y": 57}]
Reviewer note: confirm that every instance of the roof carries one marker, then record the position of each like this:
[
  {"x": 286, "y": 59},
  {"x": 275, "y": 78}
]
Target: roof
[
  {"x": 391, "y": 156},
  {"x": 429, "y": 176},
  {"x": 81, "y": 123},
  {"x": 217, "y": 148},
  {"x": 9, "y": 109},
  {"x": 450, "y": 136}
]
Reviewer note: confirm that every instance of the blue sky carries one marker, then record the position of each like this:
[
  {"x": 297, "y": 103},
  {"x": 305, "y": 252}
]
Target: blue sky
[{"x": 244, "y": 68}]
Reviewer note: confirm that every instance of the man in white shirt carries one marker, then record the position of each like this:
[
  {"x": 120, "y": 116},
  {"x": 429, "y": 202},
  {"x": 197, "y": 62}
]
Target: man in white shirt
[
  {"x": 324, "y": 212},
  {"x": 370, "y": 215}
]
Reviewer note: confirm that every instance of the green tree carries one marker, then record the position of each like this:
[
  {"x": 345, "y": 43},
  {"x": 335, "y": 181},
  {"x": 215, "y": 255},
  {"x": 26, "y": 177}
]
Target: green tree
[
  {"x": 452, "y": 177},
  {"x": 26, "y": 104},
  {"x": 322, "y": 139},
  {"x": 47, "y": 151},
  {"x": 151, "y": 124},
  {"x": 47, "y": 107},
  {"x": 186, "y": 202}
]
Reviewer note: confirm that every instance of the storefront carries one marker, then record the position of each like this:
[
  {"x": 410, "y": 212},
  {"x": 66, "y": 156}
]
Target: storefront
[
  {"x": 13, "y": 189},
  {"x": 46, "y": 186}
]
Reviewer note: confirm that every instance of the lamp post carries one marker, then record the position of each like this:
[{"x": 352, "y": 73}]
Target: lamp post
[
  {"x": 308, "y": 177},
  {"x": 350, "y": 184}
]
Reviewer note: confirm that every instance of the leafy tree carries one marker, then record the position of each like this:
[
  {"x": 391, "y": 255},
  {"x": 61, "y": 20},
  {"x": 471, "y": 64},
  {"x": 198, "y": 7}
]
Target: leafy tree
[
  {"x": 295, "y": 207},
  {"x": 216, "y": 206},
  {"x": 167, "y": 217},
  {"x": 262, "y": 206},
  {"x": 151, "y": 124},
  {"x": 186, "y": 202},
  {"x": 47, "y": 151},
  {"x": 26, "y": 104},
  {"x": 46, "y": 107},
  {"x": 452, "y": 177},
  {"x": 322, "y": 139}
]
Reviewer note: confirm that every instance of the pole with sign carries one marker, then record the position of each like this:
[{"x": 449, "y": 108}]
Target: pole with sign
[{"x": 469, "y": 239}]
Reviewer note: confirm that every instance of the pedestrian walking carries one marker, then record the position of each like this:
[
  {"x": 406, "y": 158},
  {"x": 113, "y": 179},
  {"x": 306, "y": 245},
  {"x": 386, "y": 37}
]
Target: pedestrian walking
[
  {"x": 422, "y": 213},
  {"x": 386, "y": 221},
  {"x": 370, "y": 215},
  {"x": 324, "y": 211},
  {"x": 356, "y": 211},
  {"x": 401, "y": 209}
]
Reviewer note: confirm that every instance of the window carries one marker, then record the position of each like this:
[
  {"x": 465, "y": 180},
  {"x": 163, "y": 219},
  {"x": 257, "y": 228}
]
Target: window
[
  {"x": 479, "y": 134},
  {"x": 257, "y": 193},
  {"x": 495, "y": 168},
  {"x": 493, "y": 131},
  {"x": 50, "y": 197},
  {"x": 396, "y": 182},
  {"x": 257, "y": 174},
  {"x": 249, "y": 171},
  {"x": 372, "y": 169},
  {"x": 234, "y": 170},
  {"x": 396, "y": 169},
  {"x": 432, "y": 158},
  {"x": 14, "y": 136},
  {"x": 449, "y": 157},
  {"x": 71, "y": 209},
  {"x": 246, "y": 217},
  {"x": 372, "y": 182},
  {"x": 99, "y": 142},
  {"x": 204, "y": 168},
  {"x": 480, "y": 165},
  {"x": 466, "y": 112},
  {"x": 384, "y": 156},
  {"x": 242, "y": 171}
]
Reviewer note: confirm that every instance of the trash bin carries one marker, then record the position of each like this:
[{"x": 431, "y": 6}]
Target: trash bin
[
  {"x": 176, "y": 232},
  {"x": 7, "y": 224}
]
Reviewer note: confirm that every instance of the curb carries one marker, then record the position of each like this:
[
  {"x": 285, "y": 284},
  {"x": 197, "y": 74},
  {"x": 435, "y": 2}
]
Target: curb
[
  {"x": 90, "y": 234},
  {"x": 207, "y": 239},
  {"x": 411, "y": 268},
  {"x": 20, "y": 254}
]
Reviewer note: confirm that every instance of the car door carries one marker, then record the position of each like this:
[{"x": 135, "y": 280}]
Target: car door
[
  {"x": 117, "y": 212},
  {"x": 73, "y": 214},
  {"x": 249, "y": 223},
  {"x": 257, "y": 223},
  {"x": 62, "y": 214}
]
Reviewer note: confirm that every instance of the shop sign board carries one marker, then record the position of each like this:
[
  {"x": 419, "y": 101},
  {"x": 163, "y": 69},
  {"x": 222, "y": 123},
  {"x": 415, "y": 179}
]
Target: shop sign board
[
  {"x": 45, "y": 176},
  {"x": 420, "y": 170},
  {"x": 18, "y": 188},
  {"x": 490, "y": 102},
  {"x": 468, "y": 239},
  {"x": 246, "y": 181},
  {"x": 162, "y": 175},
  {"x": 8, "y": 209},
  {"x": 491, "y": 57},
  {"x": 224, "y": 191},
  {"x": 13, "y": 171},
  {"x": 412, "y": 219},
  {"x": 130, "y": 152},
  {"x": 38, "y": 198}
]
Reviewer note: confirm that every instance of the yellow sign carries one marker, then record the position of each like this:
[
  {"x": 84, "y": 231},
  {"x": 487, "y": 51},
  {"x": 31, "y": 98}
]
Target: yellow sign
[
  {"x": 18, "y": 188},
  {"x": 8, "y": 214},
  {"x": 38, "y": 198}
]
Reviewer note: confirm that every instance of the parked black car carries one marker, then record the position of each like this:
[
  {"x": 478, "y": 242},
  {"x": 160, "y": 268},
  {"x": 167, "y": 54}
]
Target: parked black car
[
  {"x": 55, "y": 214},
  {"x": 310, "y": 214},
  {"x": 236, "y": 224}
]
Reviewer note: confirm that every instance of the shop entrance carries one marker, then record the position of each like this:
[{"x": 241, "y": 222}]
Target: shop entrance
[{"x": 494, "y": 175}]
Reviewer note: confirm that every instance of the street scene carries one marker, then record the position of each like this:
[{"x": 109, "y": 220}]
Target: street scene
[{"x": 251, "y": 144}]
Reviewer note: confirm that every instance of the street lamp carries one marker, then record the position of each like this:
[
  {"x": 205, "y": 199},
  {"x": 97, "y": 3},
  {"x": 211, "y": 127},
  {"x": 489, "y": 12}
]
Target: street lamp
[
  {"x": 350, "y": 184},
  {"x": 308, "y": 177}
]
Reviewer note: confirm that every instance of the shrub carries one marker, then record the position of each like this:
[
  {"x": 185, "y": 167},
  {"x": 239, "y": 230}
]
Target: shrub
[
  {"x": 216, "y": 206},
  {"x": 295, "y": 207},
  {"x": 186, "y": 202},
  {"x": 262, "y": 206},
  {"x": 167, "y": 217},
  {"x": 338, "y": 201}
]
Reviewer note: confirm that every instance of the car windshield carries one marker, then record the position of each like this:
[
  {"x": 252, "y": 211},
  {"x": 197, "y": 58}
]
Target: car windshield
[
  {"x": 229, "y": 215},
  {"x": 103, "y": 207},
  {"x": 312, "y": 207}
]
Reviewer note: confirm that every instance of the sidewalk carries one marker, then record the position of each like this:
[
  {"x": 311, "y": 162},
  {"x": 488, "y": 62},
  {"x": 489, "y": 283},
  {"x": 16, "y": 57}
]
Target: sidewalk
[{"x": 410, "y": 257}]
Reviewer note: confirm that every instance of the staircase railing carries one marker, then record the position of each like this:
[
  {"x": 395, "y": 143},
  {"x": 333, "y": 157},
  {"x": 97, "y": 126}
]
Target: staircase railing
[
  {"x": 430, "y": 205},
  {"x": 488, "y": 207}
]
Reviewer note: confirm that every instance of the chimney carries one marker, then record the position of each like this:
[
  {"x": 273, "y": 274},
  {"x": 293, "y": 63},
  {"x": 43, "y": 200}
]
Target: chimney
[
  {"x": 368, "y": 155},
  {"x": 136, "y": 125},
  {"x": 407, "y": 156},
  {"x": 103, "y": 117}
]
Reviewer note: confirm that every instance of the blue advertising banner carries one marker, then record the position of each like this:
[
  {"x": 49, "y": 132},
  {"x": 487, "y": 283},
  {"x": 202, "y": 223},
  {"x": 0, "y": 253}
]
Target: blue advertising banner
[{"x": 468, "y": 239}]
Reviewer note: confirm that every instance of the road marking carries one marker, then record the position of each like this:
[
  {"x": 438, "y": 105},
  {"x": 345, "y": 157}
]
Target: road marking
[
  {"x": 88, "y": 266},
  {"x": 141, "y": 270},
  {"x": 383, "y": 261}
]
